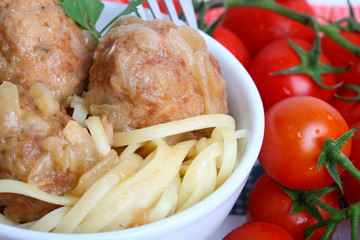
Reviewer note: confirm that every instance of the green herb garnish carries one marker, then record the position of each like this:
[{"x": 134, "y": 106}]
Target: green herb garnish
[{"x": 87, "y": 12}]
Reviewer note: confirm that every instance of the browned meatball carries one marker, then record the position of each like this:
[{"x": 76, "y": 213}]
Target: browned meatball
[
  {"x": 41, "y": 145},
  {"x": 154, "y": 72},
  {"x": 38, "y": 43}
]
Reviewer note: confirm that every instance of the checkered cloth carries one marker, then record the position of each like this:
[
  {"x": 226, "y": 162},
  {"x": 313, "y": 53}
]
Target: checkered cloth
[{"x": 324, "y": 13}]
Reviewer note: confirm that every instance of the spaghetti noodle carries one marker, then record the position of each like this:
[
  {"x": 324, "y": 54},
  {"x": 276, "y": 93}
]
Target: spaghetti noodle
[{"x": 143, "y": 178}]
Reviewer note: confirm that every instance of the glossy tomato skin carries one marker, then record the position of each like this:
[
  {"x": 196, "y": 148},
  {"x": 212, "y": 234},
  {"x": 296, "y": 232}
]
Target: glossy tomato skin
[
  {"x": 233, "y": 43},
  {"x": 259, "y": 231},
  {"x": 349, "y": 110},
  {"x": 295, "y": 129},
  {"x": 350, "y": 184},
  {"x": 278, "y": 56},
  {"x": 340, "y": 57},
  {"x": 259, "y": 27},
  {"x": 355, "y": 150},
  {"x": 268, "y": 202}
]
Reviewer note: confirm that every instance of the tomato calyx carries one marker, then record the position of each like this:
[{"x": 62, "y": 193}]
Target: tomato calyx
[
  {"x": 352, "y": 87},
  {"x": 309, "y": 200},
  {"x": 351, "y": 23},
  {"x": 311, "y": 65},
  {"x": 301, "y": 200},
  {"x": 331, "y": 156},
  {"x": 336, "y": 216}
]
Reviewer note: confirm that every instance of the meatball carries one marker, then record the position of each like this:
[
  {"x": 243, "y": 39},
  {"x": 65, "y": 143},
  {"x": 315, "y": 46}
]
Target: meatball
[
  {"x": 150, "y": 72},
  {"x": 40, "y": 145},
  {"x": 39, "y": 43}
]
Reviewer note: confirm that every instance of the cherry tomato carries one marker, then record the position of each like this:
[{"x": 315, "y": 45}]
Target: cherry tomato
[
  {"x": 232, "y": 43},
  {"x": 355, "y": 151},
  {"x": 268, "y": 202},
  {"x": 259, "y": 27},
  {"x": 278, "y": 56},
  {"x": 340, "y": 57},
  {"x": 259, "y": 231},
  {"x": 350, "y": 184},
  {"x": 295, "y": 129},
  {"x": 349, "y": 110}
]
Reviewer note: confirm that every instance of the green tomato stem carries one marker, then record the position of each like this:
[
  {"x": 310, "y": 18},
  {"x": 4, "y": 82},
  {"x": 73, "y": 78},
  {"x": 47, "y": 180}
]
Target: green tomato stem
[
  {"x": 310, "y": 229},
  {"x": 345, "y": 163},
  {"x": 329, "y": 230},
  {"x": 332, "y": 32},
  {"x": 323, "y": 205},
  {"x": 336, "y": 216},
  {"x": 329, "y": 30}
]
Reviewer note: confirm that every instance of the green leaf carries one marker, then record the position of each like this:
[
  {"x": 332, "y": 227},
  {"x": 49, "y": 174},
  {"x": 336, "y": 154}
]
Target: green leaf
[
  {"x": 75, "y": 9},
  {"x": 93, "y": 10},
  {"x": 87, "y": 12},
  {"x": 132, "y": 7}
]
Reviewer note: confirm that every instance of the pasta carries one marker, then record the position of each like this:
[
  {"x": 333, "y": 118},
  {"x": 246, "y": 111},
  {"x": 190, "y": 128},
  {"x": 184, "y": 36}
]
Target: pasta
[{"x": 141, "y": 178}]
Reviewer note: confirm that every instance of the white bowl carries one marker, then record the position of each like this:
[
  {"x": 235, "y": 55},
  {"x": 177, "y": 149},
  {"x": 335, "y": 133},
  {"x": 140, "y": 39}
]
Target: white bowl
[{"x": 203, "y": 219}]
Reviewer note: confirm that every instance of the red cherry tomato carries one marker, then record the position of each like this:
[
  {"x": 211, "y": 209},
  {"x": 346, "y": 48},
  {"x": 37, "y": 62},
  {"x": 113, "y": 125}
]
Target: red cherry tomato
[
  {"x": 232, "y": 43},
  {"x": 295, "y": 129},
  {"x": 355, "y": 150},
  {"x": 340, "y": 57},
  {"x": 259, "y": 231},
  {"x": 278, "y": 56},
  {"x": 259, "y": 27},
  {"x": 349, "y": 110},
  {"x": 268, "y": 202},
  {"x": 350, "y": 184}
]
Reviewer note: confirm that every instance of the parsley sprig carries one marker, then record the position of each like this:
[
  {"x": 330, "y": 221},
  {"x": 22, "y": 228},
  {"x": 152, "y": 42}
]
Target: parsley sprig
[{"x": 87, "y": 12}]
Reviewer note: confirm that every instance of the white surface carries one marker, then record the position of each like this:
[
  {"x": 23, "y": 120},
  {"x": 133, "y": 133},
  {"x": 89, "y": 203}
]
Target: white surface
[{"x": 200, "y": 221}]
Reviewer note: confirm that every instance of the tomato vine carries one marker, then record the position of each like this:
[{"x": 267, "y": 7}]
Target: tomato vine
[{"x": 331, "y": 30}]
